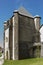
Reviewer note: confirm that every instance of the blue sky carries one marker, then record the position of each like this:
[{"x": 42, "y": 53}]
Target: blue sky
[{"x": 8, "y": 6}]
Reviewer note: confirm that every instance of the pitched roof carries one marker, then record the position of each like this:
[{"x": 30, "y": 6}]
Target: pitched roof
[{"x": 23, "y": 11}]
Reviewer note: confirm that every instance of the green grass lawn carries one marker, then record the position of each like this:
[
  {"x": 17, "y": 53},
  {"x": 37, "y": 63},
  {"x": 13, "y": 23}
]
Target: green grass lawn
[{"x": 34, "y": 61}]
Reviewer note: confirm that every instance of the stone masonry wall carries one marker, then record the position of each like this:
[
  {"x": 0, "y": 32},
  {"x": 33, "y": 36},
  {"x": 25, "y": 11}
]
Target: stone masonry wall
[
  {"x": 10, "y": 38},
  {"x": 26, "y": 28},
  {"x": 26, "y": 36}
]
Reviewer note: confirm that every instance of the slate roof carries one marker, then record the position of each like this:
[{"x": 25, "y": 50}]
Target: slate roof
[{"x": 23, "y": 11}]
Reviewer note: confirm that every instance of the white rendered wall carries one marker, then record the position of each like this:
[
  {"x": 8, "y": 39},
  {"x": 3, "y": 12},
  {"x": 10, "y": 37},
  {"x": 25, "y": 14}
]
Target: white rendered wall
[
  {"x": 6, "y": 42},
  {"x": 41, "y": 39},
  {"x": 41, "y": 34}
]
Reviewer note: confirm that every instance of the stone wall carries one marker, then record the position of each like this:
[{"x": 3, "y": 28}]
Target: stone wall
[
  {"x": 26, "y": 36},
  {"x": 26, "y": 28},
  {"x": 10, "y": 38},
  {"x": 16, "y": 36},
  {"x": 36, "y": 51}
]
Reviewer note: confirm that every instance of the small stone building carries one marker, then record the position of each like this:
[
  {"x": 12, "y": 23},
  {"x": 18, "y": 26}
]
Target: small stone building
[{"x": 22, "y": 36}]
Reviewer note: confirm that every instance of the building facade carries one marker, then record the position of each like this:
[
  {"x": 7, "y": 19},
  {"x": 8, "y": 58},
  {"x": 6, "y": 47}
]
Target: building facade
[
  {"x": 41, "y": 39},
  {"x": 22, "y": 36}
]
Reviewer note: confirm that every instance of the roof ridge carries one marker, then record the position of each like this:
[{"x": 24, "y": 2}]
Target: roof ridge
[{"x": 23, "y": 11}]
